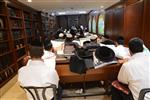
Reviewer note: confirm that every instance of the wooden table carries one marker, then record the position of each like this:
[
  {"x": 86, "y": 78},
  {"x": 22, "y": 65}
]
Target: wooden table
[{"x": 106, "y": 73}]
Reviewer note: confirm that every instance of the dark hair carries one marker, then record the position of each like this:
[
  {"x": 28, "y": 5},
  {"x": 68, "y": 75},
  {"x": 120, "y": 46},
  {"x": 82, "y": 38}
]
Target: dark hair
[
  {"x": 120, "y": 40},
  {"x": 47, "y": 44},
  {"x": 36, "y": 49},
  {"x": 108, "y": 42},
  {"x": 136, "y": 45}
]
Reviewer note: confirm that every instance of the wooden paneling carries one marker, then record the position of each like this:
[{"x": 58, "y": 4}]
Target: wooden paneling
[
  {"x": 119, "y": 21},
  {"x": 133, "y": 20},
  {"x": 125, "y": 19},
  {"x": 146, "y": 23},
  {"x": 109, "y": 22},
  {"x": 114, "y": 20},
  {"x": 128, "y": 2}
]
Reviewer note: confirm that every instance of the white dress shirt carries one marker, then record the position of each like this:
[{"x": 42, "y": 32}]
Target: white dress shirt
[
  {"x": 36, "y": 73},
  {"x": 146, "y": 50},
  {"x": 122, "y": 52},
  {"x": 49, "y": 59},
  {"x": 136, "y": 73}
]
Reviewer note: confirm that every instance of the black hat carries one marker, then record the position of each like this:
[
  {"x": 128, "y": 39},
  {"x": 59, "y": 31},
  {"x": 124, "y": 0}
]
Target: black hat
[
  {"x": 84, "y": 53},
  {"x": 108, "y": 42},
  {"x": 105, "y": 54}
]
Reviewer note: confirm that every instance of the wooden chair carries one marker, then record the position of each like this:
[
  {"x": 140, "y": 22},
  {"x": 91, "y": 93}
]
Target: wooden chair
[
  {"x": 142, "y": 93},
  {"x": 33, "y": 90}
]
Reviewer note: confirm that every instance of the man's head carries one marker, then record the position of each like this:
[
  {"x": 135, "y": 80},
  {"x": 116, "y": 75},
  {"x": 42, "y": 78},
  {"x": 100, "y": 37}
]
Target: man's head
[
  {"x": 36, "y": 49},
  {"x": 136, "y": 45},
  {"x": 120, "y": 40},
  {"x": 47, "y": 44}
]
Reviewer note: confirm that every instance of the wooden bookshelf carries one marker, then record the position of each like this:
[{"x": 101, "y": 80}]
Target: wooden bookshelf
[{"x": 19, "y": 25}]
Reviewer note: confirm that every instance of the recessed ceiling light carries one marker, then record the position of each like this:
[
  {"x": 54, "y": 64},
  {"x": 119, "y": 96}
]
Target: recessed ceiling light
[
  {"x": 29, "y": 0},
  {"x": 53, "y": 14},
  {"x": 102, "y": 7}
]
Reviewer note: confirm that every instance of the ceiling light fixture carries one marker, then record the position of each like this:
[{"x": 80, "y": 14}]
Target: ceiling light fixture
[
  {"x": 61, "y": 13},
  {"x": 82, "y": 12},
  {"x": 29, "y": 0},
  {"x": 102, "y": 7}
]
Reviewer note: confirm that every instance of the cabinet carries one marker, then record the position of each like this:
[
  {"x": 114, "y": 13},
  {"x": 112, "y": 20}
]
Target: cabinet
[{"x": 18, "y": 27}]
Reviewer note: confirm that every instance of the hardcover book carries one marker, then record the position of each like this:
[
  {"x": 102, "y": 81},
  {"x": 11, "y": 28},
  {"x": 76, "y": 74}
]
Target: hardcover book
[{"x": 1, "y": 23}]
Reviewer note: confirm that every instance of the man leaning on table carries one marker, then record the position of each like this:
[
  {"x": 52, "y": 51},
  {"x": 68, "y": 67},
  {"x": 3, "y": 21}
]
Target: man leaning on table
[{"x": 134, "y": 73}]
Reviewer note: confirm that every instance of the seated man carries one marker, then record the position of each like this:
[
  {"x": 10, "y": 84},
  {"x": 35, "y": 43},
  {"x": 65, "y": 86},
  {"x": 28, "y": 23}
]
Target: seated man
[
  {"x": 135, "y": 72},
  {"x": 36, "y": 73},
  {"x": 49, "y": 56},
  {"x": 121, "y": 51}
]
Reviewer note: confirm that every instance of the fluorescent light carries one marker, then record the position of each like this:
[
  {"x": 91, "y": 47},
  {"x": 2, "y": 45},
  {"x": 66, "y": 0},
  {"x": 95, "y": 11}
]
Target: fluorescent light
[
  {"x": 29, "y": 0},
  {"x": 61, "y": 13},
  {"x": 82, "y": 12}
]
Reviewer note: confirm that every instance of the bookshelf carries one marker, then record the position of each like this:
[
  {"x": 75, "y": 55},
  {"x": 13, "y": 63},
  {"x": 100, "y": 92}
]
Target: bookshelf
[
  {"x": 36, "y": 26},
  {"x": 45, "y": 22},
  {"x": 19, "y": 25},
  {"x": 28, "y": 26},
  {"x": 7, "y": 65}
]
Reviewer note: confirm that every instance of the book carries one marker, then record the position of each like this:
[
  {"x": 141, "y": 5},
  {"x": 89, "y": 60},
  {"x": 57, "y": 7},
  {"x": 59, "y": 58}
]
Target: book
[
  {"x": 1, "y": 23},
  {"x": 1, "y": 35}
]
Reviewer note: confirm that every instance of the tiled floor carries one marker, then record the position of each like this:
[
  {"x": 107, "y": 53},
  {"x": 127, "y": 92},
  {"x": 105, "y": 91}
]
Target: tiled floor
[{"x": 16, "y": 93}]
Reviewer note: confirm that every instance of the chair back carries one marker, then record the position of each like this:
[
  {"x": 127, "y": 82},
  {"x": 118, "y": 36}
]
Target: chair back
[
  {"x": 142, "y": 93},
  {"x": 33, "y": 90}
]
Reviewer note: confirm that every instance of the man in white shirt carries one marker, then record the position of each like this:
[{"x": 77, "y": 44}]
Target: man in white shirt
[
  {"x": 36, "y": 73},
  {"x": 121, "y": 51},
  {"x": 135, "y": 72},
  {"x": 49, "y": 56}
]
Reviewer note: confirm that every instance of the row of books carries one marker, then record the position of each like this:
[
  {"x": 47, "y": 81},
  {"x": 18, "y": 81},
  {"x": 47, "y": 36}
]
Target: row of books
[
  {"x": 27, "y": 24},
  {"x": 28, "y": 32},
  {"x": 16, "y": 23},
  {"x": 3, "y": 35},
  {"x": 26, "y": 16},
  {"x": 14, "y": 12},
  {"x": 18, "y": 44},
  {"x": 1, "y": 23},
  {"x": 29, "y": 40},
  {"x": 17, "y": 34},
  {"x": 6, "y": 61},
  {"x": 6, "y": 74},
  {"x": 21, "y": 52},
  {"x": 4, "y": 47}
]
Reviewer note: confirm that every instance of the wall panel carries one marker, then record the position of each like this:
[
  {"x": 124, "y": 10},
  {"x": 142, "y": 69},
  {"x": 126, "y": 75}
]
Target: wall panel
[
  {"x": 146, "y": 23},
  {"x": 133, "y": 20}
]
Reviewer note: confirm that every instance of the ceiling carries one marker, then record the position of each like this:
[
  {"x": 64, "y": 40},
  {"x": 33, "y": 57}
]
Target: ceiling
[{"x": 56, "y": 6}]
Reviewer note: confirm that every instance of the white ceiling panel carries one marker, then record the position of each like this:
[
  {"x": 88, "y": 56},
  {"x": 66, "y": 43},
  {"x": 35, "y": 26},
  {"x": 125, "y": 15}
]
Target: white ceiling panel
[{"x": 68, "y": 5}]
